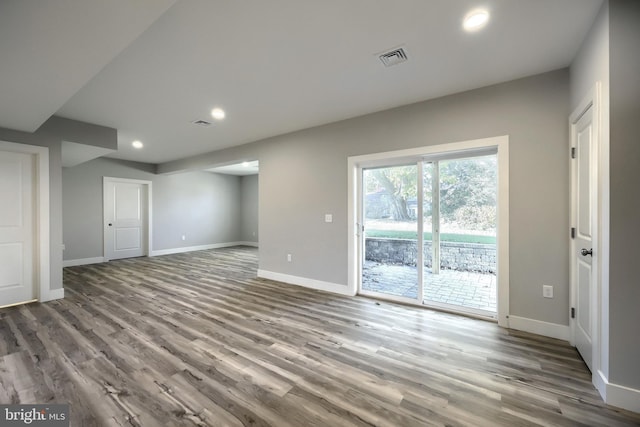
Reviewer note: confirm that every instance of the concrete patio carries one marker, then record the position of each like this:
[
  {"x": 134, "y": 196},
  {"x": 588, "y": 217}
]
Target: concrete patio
[{"x": 462, "y": 288}]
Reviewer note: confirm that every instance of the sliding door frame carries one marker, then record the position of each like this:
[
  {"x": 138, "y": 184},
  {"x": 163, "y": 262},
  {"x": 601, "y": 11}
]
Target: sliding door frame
[{"x": 471, "y": 148}]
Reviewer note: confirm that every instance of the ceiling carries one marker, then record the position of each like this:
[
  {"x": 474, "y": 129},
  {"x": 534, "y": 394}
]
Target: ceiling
[
  {"x": 239, "y": 169},
  {"x": 151, "y": 67}
]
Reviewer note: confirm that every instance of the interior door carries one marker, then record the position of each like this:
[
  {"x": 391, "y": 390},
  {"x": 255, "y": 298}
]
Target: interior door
[
  {"x": 584, "y": 203},
  {"x": 125, "y": 219},
  {"x": 16, "y": 228}
]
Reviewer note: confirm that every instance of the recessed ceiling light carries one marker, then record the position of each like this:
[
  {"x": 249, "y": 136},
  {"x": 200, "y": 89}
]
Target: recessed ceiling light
[
  {"x": 475, "y": 20},
  {"x": 137, "y": 144},
  {"x": 218, "y": 113}
]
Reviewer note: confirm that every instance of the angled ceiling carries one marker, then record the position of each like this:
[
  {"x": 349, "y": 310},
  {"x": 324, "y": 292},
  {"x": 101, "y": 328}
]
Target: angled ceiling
[
  {"x": 50, "y": 50},
  {"x": 149, "y": 70}
]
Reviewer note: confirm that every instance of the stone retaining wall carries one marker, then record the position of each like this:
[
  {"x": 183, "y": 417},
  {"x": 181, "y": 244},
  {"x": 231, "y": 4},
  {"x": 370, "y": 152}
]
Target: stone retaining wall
[{"x": 456, "y": 256}]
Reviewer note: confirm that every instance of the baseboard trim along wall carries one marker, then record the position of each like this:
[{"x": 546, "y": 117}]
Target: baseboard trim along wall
[
  {"x": 306, "y": 282},
  {"x": 82, "y": 261},
  {"x": 551, "y": 330},
  {"x": 200, "y": 248},
  {"x": 97, "y": 260},
  {"x": 617, "y": 395},
  {"x": 52, "y": 295}
]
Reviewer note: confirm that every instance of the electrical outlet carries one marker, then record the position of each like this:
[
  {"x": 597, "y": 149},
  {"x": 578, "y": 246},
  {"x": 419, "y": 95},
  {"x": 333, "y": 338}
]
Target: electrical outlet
[
  {"x": 288, "y": 257},
  {"x": 328, "y": 218},
  {"x": 547, "y": 291}
]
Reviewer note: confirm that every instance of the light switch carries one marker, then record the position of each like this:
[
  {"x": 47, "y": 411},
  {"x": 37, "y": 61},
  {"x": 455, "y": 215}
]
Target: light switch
[{"x": 328, "y": 218}]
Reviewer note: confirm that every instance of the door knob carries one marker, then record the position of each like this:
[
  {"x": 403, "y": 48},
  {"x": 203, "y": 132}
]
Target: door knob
[
  {"x": 586, "y": 252},
  {"x": 110, "y": 224}
]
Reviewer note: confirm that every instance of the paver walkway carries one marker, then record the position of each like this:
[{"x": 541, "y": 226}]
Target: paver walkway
[{"x": 462, "y": 288}]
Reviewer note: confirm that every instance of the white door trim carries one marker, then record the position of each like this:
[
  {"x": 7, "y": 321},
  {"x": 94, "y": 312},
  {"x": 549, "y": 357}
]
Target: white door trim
[
  {"x": 148, "y": 250},
  {"x": 592, "y": 100},
  {"x": 354, "y": 163},
  {"x": 42, "y": 273}
]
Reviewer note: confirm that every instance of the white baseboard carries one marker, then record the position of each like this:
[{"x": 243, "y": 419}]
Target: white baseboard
[
  {"x": 306, "y": 282},
  {"x": 52, "y": 295},
  {"x": 552, "y": 330},
  {"x": 196, "y": 248},
  {"x": 600, "y": 382},
  {"x": 619, "y": 395},
  {"x": 82, "y": 261},
  {"x": 615, "y": 394},
  {"x": 96, "y": 260}
]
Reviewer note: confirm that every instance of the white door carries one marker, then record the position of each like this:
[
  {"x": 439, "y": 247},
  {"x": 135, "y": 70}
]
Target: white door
[
  {"x": 125, "y": 218},
  {"x": 16, "y": 228},
  {"x": 584, "y": 199}
]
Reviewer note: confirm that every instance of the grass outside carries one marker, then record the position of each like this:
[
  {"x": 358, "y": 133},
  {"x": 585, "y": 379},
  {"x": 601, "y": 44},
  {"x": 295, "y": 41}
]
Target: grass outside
[{"x": 444, "y": 237}]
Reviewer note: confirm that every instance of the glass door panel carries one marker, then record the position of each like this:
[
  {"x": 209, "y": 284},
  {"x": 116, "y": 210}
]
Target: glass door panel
[
  {"x": 390, "y": 220},
  {"x": 463, "y": 268}
]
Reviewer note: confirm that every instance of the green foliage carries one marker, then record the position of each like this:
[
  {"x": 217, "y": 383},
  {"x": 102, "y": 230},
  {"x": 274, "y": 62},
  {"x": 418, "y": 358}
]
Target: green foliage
[
  {"x": 396, "y": 184},
  {"x": 469, "y": 183},
  {"x": 444, "y": 237},
  {"x": 468, "y": 189},
  {"x": 476, "y": 217}
]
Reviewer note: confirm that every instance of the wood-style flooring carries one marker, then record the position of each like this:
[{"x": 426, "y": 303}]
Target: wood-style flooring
[{"x": 195, "y": 339}]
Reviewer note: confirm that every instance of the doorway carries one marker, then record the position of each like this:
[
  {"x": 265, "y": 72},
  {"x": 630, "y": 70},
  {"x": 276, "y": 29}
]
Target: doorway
[
  {"x": 585, "y": 256},
  {"x": 24, "y": 224},
  {"x": 127, "y": 218},
  {"x": 431, "y": 226}
]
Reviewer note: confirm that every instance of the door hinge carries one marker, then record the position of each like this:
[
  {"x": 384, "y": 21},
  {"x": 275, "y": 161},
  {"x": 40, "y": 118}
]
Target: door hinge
[
  {"x": 573, "y": 232},
  {"x": 573, "y": 313},
  {"x": 573, "y": 152}
]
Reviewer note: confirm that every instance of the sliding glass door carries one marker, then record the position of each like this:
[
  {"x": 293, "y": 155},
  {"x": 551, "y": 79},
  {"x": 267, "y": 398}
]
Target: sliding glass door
[
  {"x": 429, "y": 232},
  {"x": 461, "y": 273},
  {"x": 390, "y": 231}
]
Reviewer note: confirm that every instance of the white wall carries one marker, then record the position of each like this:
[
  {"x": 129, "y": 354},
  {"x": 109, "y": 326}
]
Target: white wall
[{"x": 303, "y": 175}]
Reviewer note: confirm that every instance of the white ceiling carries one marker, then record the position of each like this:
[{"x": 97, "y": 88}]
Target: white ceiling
[
  {"x": 239, "y": 169},
  {"x": 74, "y": 154},
  {"x": 275, "y": 66},
  {"x": 50, "y": 49}
]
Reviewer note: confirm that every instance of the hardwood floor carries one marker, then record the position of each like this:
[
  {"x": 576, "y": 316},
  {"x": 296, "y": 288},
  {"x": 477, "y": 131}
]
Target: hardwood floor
[{"x": 196, "y": 339}]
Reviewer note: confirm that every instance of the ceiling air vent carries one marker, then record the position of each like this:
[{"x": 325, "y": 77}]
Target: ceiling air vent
[
  {"x": 202, "y": 123},
  {"x": 393, "y": 57}
]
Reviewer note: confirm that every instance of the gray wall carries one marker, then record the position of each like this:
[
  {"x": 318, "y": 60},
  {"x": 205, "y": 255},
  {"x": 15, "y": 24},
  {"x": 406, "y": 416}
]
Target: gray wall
[
  {"x": 51, "y": 134},
  {"x": 591, "y": 65},
  {"x": 201, "y": 205},
  {"x": 249, "y": 209},
  {"x": 624, "y": 285},
  {"x": 303, "y": 175}
]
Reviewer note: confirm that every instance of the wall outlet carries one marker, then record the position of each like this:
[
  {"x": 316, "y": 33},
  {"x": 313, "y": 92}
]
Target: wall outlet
[
  {"x": 184, "y": 237},
  {"x": 328, "y": 218},
  {"x": 547, "y": 291},
  {"x": 288, "y": 257}
]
